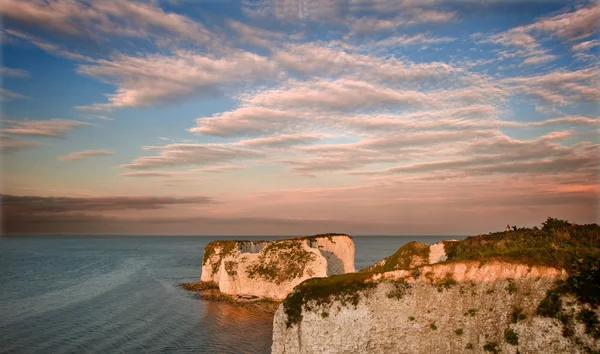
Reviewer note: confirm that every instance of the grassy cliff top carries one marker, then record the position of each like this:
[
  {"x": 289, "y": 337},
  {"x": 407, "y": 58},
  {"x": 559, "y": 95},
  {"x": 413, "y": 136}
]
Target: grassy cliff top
[
  {"x": 559, "y": 244},
  {"x": 327, "y": 235},
  {"x": 406, "y": 257}
]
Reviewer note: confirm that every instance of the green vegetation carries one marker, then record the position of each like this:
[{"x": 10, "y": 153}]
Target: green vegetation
[
  {"x": 511, "y": 337},
  {"x": 518, "y": 315},
  {"x": 576, "y": 248},
  {"x": 446, "y": 283},
  {"x": 471, "y": 312},
  {"x": 459, "y": 331},
  {"x": 433, "y": 326},
  {"x": 559, "y": 244},
  {"x": 411, "y": 318},
  {"x": 226, "y": 248},
  {"x": 324, "y": 314},
  {"x": 511, "y": 287},
  {"x": 469, "y": 346},
  {"x": 346, "y": 288},
  {"x": 200, "y": 286},
  {"x": 450, "y": 246},
  {"x": 410, "y": 255},
  {"x": 590, "y": 320},
  {"x": 328, "y": 235},
  {"x": 491, "y": 347},
  {"x": 281, "y": 261},
  {"x": 400, "y": 288},
  {"x": 230, "y": 268},
  {"x": 551, "y": 305}
]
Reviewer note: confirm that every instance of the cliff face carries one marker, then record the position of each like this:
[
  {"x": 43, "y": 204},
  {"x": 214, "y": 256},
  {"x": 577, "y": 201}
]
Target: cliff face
[
  {"x": 457, "y": 307},
  {"x": 273, "y": 269}
]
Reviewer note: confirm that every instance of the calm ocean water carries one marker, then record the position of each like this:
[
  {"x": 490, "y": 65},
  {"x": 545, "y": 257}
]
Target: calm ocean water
[{"x": 119, "y": 295}]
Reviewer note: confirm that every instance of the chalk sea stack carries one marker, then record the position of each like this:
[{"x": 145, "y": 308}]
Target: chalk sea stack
[{"x": 271, "y": 269}]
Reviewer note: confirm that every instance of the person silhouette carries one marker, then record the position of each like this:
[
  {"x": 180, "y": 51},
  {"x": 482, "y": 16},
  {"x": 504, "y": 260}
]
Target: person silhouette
[
  {"x": 507, "y": 228},
  {"x": 515, "y": 227}
]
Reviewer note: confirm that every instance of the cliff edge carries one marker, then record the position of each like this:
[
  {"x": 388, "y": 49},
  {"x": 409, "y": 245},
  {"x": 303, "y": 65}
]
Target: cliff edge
[
  {"x": 271, "y": 269},
  {"x": 525, "y": 291}
]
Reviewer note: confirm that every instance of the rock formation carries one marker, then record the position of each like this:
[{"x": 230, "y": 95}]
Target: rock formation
[
  {"x": 528, "y": 291},
  {"x": 272, "y": 269},
  {"x": 414, "y": 254}
]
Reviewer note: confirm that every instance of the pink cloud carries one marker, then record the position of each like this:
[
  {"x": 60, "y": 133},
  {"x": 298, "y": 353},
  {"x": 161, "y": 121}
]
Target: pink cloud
[
  {"x": 54, "y": 128},
  {"x": 80, "y": 155}
]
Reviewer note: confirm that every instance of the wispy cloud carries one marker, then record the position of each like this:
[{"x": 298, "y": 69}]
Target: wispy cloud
[
  {"x": 28, "y": 205},
  {"x": 100, "y": 117},
  {"x": 48, "y": 47},
  {"x": 80, "y": 155},
  {"x": 153, "y": 79},
  {"x": 8, "y": 95},
  {"x": 106, "y": 17},
  {"x": 569, "y": 26},
  {"x": 11, "y": 72},
  {"x": 192, "y": 155},
  {"x": 8, "y": 144},
  {"x": 54, "y": 128}
]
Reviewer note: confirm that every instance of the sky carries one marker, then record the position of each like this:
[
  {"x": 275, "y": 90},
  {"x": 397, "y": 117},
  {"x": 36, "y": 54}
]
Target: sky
[{"x": 297, "y": 117}]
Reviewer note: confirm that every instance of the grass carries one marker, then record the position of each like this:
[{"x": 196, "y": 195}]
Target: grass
[
  {"x": 559, "y": 244},
  {"x": 281, "y": 261},
  {"x": 407, "y": 257},
  {"x": 328, "y": 235},
  {"x": 576, "y": 248}
]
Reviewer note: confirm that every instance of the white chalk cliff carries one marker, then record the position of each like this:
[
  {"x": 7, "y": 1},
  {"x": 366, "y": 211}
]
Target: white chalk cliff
[
  {"x": 532, "y": 290},
  {"x": 272, "y": 269},
  {"x": 445, "y": 308}
]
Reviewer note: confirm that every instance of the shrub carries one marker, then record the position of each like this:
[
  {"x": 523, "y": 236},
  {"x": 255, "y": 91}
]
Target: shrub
[
  {"x": 433, "y": 326},
  {"x": 511, "y": 337},
  {"x": 446, "y": 283},
  {"x": 590, "y": 320},
  {"x": 491, "y": 347},
  {"x": 459, "y": 331},
  {"x": 400, "y": 288},
  {"x": 553, "y": 224},
  {"x": 471, "y": 312},
  {"x": 511, "y": 287},
  {"x": 518, "y": 315}
]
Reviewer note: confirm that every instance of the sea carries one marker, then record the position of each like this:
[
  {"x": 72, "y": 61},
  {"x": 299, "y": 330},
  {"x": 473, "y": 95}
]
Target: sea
[{"x": 120, "y": 294}]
